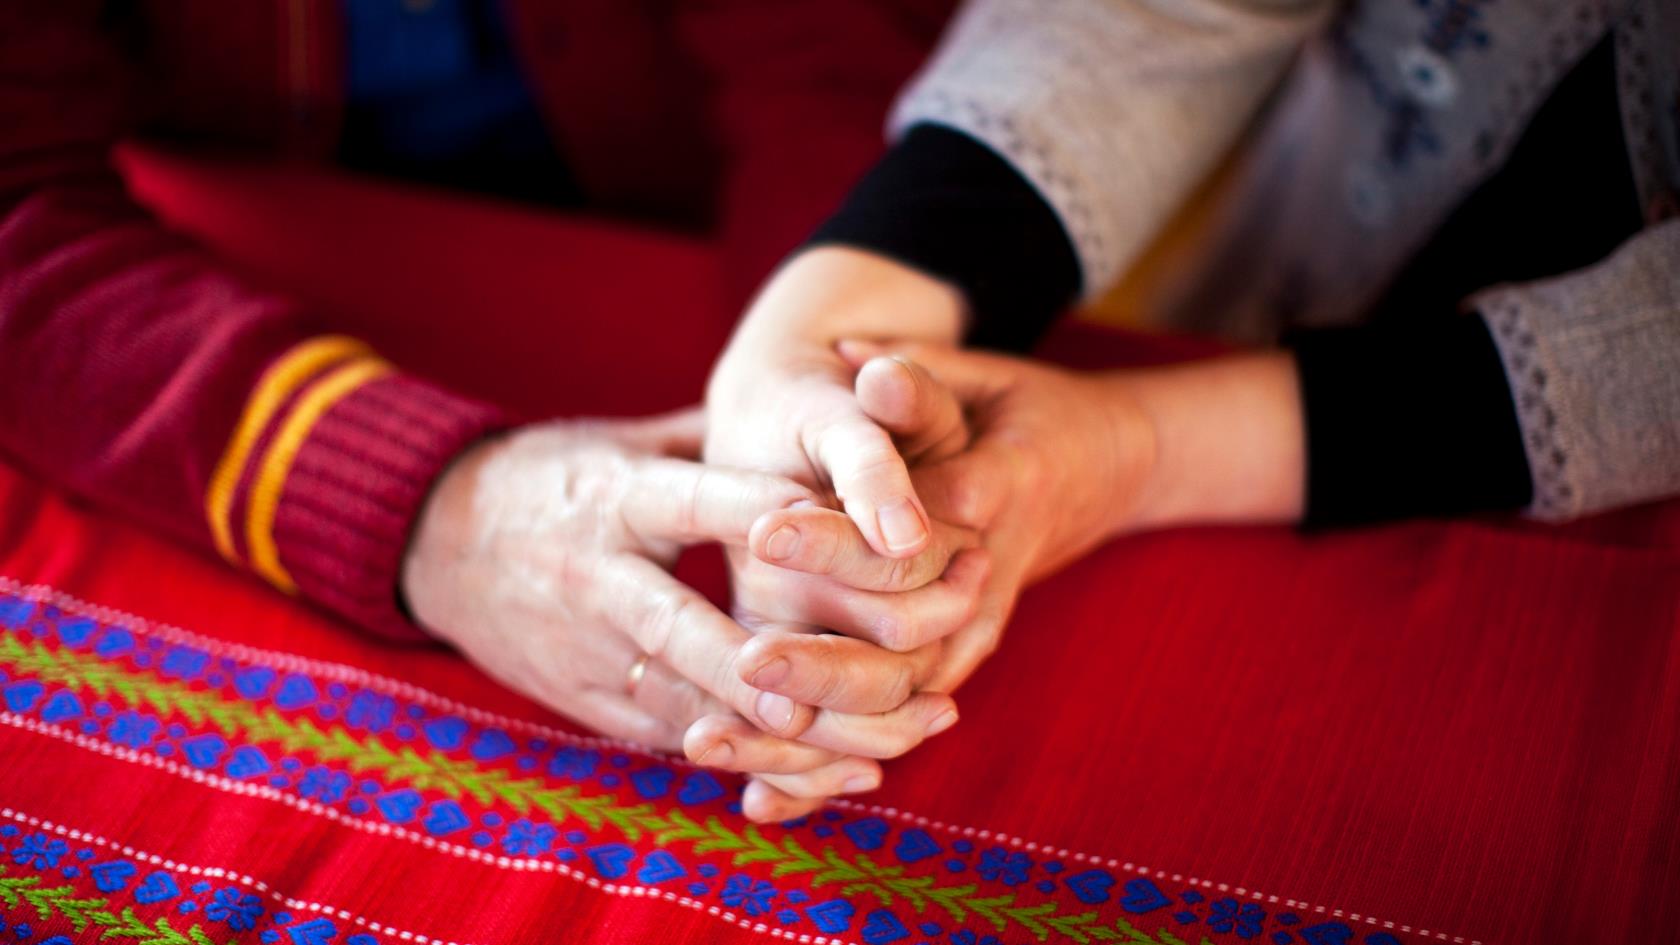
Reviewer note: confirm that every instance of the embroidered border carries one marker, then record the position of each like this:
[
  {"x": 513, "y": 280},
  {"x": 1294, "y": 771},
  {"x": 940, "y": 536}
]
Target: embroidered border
[
  {"x": 342, "y": 744},
  {"x": 96, "y": 876}
]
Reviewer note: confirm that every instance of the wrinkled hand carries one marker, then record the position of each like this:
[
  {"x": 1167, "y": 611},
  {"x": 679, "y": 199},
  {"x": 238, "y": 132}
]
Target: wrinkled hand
[
  {"x": 543, "y": 556},
  {"x": 1042, "y": 463},
  {"x": 781, "y": 400}
]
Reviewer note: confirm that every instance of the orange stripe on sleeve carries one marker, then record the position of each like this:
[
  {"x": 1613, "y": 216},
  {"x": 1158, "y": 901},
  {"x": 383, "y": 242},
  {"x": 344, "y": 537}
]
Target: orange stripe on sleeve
[
  {"x": 276, "y": 465},
  {"x": 277, "y": 383}
]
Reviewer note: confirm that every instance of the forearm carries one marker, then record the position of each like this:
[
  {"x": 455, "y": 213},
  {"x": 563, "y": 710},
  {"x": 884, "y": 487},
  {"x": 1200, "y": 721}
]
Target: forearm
[
  {"x": 205, "y": 409},
  {"x": 137, "y": 373},
  {"x": 1228, "y": 441}
]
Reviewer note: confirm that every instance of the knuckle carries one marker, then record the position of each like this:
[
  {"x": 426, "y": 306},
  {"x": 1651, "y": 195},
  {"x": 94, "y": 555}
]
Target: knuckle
[
  {"x": 816, "y": 660},
  {"x": 898, "y": 739},
  {"x": 868, "y": 448},
  {"x": 901, "y": 683},
  {"x": 703, "y": 735},
  {"x": 693, "y": 493},
  {"x": 670, "y": 613},
  {"x": 826, "y": 687},
  {"x": 653, "y": 732},
  {"x": 779, "y": 493},
  {"x": 755, "y": 492},
  {"x": 897, "y": 631},
  {"x": 827, "y": 555},
  {"x": 756, "y": 653},
  {"x": 876, "y": 462},
  {"x": 966, "y": 495},
  {"x": 689, "y": 704},
  {"x": 902, "y": 574}
]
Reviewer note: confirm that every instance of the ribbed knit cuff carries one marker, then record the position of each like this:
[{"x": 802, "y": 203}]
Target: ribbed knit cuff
[
  {"x": 947, "y": 205},
  {"x": 357, "y": 486},
  {"x": 1407, "y": 420}
]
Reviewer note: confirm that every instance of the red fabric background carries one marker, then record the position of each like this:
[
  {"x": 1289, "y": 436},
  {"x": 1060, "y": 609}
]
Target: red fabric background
[{"x": 1469, "y": 728}]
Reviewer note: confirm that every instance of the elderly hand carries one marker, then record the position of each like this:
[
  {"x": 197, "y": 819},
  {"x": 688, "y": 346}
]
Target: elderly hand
[{"x": 543, "y": 555}]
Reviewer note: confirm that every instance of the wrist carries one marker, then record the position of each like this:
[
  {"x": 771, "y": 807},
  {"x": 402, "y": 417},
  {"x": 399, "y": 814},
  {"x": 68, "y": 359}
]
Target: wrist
[
  {"x": 1228, "y": 440},
  {"x": 441, "y": 536},
  {"x": 825, "y": 293},
  {"x": 820, "y": 296}
]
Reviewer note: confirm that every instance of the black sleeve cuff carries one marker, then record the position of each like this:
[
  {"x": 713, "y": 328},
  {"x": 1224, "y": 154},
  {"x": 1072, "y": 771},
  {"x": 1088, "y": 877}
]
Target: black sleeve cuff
[
  {"x": 1407, "y": 420},
  {"x": 946, "y": 204}
]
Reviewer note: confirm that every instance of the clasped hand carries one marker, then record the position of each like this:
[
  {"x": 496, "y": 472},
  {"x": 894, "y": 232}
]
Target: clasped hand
[
  {"x": 543, "y": 556},
  {"x": 881, "y": 509}
]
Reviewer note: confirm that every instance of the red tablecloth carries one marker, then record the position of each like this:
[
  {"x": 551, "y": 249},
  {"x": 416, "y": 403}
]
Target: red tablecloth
[{"x": 1429, "y": 732}]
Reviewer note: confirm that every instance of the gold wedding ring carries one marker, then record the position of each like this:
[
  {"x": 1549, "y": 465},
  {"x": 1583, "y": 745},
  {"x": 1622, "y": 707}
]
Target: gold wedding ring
[{"x": 633, "y": 678}]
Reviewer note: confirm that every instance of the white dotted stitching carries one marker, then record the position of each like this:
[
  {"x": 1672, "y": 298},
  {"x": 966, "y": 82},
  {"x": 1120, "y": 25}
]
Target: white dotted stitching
[
  {"x": 216, "y": 872},
  {"x": 377, "y": 829},
  {"x": 44, "y": 593},
  {"x": 337, "y": 672}
]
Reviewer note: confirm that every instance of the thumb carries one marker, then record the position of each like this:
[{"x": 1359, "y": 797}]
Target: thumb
[
  {"x": 872, "y": 482},
  {"x": 971, "y": 376},
  {"x": 922, "y": 414}
]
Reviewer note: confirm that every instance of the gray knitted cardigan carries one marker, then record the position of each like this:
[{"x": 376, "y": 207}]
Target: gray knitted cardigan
[{"x": 1116, "y": 110}]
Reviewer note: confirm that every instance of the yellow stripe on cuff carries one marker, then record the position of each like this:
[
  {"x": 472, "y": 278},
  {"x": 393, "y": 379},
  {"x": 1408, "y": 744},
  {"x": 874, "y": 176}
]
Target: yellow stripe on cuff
[
  {"x": 277, "y": 463},
  {"x": 282, "y": 378}
]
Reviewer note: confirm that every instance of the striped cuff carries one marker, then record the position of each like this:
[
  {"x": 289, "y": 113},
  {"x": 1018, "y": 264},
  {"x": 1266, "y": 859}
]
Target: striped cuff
[{"x": 327, "y": 471}]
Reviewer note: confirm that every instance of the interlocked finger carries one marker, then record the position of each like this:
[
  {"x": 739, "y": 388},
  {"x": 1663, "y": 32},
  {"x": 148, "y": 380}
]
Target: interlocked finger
[{"x": 677, "y": 625}]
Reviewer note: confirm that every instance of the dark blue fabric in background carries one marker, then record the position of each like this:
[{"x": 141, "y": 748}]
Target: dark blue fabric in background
[{"x": 436, "y": 95}]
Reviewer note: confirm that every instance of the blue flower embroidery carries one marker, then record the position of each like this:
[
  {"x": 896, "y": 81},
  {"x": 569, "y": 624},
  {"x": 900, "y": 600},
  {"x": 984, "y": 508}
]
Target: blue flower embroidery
[
  {"x": 133, "y": 730},
  {"x": 240, "y": 910},
  {"x": 1245, "y": 920},
  {"x": 527, "y": 839},
  {"x": 1000, "y": 865},
  {"x": 574, "y": 763},
  {"x": 742, "y": 893},
  {"x": 40, "y": 851},
  {"x": 324, "y": 784},
  {"x": 965, "y": 937},
  {"x": 372, "y": 711}
]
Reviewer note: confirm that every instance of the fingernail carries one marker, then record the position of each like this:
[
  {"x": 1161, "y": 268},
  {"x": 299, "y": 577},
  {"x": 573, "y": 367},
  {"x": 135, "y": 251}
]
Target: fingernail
[
  {"x": 783, "y": 543},
  {"x": 944, "y": 721},
  {"x": 771, "y": 674},
  {"x": 720, "y": 754},
  {"x": 858, "y": 783},
  {"x": 774, "y": 710},
  {"x": 900, "y": 525}
]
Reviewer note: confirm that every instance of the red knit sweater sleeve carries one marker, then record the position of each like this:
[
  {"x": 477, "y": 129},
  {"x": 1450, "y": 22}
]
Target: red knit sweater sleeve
[{"x": 138, "y": 373}]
